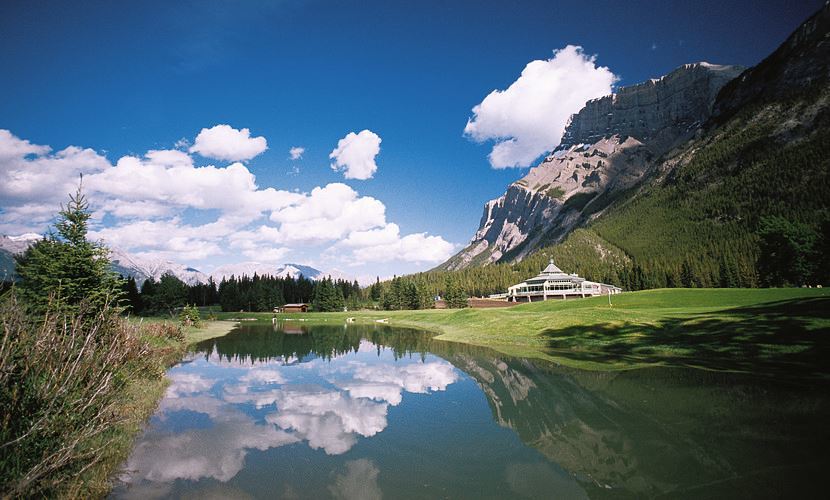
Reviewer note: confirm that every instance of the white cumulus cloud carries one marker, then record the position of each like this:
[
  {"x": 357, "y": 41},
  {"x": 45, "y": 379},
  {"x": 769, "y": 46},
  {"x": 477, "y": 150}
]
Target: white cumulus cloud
[
  {"x": 385, "y": 244},
  {"x": 528, "y": 118},
  {"x": 163, "y": 205},
  {"x": 355, "y": 155},
  {"x": 328, "y": 213},
  {"x": 223, "y": 142},
  {"x": 296, "y": 152}
]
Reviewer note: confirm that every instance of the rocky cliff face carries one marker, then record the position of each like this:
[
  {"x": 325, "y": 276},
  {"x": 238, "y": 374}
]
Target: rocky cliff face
[
  {"x": 658, "y": 112},
  {"x": 607, "y": 148}
]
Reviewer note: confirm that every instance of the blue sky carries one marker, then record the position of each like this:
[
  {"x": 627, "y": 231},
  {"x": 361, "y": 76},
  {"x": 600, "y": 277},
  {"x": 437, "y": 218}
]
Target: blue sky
[{"x": 126, "y": 79}]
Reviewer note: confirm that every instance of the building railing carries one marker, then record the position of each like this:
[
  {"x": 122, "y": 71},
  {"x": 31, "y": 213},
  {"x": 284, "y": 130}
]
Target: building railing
[{"x": 555, "y": 292}]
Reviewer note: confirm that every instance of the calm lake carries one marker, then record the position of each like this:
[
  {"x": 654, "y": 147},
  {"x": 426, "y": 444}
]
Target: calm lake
[{"x": 357, "y": 411}]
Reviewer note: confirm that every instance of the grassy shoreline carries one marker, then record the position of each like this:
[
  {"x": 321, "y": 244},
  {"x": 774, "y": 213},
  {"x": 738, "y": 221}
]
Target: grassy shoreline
[
  {"x": 720, "y": 329},
  {"x": 141, "y": 397}
]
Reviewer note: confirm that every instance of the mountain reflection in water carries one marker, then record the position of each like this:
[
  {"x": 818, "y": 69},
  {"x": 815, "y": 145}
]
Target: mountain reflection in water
[{"x": 356, "y": 411}]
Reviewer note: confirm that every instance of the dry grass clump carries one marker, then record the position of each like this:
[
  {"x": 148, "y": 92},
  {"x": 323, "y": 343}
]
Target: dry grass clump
[
  {"x": 62, "y": 379},
  {"x": 165, "y": 331}
]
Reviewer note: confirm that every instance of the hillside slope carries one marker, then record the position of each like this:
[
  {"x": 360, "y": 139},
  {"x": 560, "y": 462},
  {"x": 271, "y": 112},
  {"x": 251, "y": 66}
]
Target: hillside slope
[
  {"x": 607, "y": 149},
  {"x": 681, "y": 192},
  {"x": 763, "y": 153}
]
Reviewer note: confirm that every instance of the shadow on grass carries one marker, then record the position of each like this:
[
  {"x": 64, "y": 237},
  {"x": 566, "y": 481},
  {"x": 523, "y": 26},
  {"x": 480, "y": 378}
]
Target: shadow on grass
[{"x": 787, "y": 338}]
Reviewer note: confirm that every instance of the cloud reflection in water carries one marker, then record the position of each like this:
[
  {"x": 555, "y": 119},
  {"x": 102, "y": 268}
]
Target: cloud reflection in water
[{"x": 329, "y": 404}]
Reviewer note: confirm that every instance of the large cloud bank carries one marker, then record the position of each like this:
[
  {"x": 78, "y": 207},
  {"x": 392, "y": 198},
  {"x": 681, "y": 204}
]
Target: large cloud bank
[
  {"x": 527, "y": 119},
  {"x": 163, "y": 205}
]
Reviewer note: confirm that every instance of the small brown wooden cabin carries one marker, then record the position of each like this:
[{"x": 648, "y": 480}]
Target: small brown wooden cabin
[{"x": 294, "y": 308}]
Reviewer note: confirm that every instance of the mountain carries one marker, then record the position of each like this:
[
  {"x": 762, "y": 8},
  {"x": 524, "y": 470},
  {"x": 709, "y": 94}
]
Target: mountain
[
  {"x": 142, "y": 268},
  {"x": 258, "y": 268},
  {"x": 7, "y": 265},
  {"x": 122, "y": 262},
  {"x": 678, "y": 173},
  {"x": 11, "y": 246},
  {"x": 606, "y": 149},
  {"x": 18, "y": 244},
  {"x": 801, "y": 63}
]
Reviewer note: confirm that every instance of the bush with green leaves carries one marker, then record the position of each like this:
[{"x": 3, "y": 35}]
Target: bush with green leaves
[{"x": 189, "y": 316}]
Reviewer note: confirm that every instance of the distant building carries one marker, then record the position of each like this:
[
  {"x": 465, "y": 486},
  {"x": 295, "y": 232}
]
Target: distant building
[
  {"x": 553, "y": 283},
  {"x": 293, "y": 308}
]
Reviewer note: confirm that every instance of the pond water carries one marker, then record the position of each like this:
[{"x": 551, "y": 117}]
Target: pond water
[{"x": 370, "y": 411}]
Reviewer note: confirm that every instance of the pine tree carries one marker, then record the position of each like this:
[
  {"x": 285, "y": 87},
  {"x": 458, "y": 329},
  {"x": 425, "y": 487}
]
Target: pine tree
[
  {"x": 171, "y": 293},
  {"x": 132, "y": 299},
  {"x": 687, "y": 277},
  {"x": 67, "y": 269},
  {"x": 338, "y": 302},
  {"x": 148, "y": 296},
  {"x": 375, "y": 290},
  {"x": 786, "y": 252},
  {"x": 425, "y": 299},
  {"x": 454, "y": 296}
]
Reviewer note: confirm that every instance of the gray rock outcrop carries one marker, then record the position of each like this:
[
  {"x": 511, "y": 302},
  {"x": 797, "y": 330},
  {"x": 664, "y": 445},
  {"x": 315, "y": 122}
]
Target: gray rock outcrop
[
  {"x": 607, "y": 147},
  {"x": 658, "y": 112}
]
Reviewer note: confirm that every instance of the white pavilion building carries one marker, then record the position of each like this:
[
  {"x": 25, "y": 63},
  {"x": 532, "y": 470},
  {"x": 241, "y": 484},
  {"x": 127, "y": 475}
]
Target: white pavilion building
[{"x": 553, "y": 283}]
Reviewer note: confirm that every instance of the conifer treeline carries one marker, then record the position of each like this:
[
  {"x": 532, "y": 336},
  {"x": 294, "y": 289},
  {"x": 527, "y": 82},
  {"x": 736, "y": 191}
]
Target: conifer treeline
[
  {"x": 780, "y": 253},
  {"x": 257, "y": 293}
]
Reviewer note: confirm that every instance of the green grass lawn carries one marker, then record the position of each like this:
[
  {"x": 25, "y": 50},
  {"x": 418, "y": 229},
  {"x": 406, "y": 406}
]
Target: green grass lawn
[{"x": 775, "y": 331}]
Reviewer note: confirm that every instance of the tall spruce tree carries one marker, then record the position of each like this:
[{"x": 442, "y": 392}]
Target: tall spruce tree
[
  {"x": 171, "y": 293},
  {"x": 454, "y": 296},
  {"x": 132, "y": 299},
  {"x": 65, "y": 268}
]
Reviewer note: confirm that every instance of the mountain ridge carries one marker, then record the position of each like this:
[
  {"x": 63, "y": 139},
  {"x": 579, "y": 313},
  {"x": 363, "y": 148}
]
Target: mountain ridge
[
  {"x": 695, "y": 215},
  {"x": 607, "y": 147},
  {"x": 142, "y": 268}
]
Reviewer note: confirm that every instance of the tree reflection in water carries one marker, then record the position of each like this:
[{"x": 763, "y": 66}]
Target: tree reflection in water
[{"x": 337, "y": 406}]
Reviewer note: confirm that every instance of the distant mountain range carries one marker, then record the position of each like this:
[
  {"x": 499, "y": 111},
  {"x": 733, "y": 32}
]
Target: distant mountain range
[
  {"x": 676, "y": 174},
  {"x": 282, "y": 271},
  {"x": 142, "y": 268}
]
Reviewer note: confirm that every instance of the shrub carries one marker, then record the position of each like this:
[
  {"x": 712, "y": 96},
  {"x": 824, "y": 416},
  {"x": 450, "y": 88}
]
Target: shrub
[
  {"x": 555, "y": 193},
  {"x": 189, "y": 316}
]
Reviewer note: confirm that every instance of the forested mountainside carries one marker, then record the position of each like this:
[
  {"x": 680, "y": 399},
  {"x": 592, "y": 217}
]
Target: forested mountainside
[
  {"x": 608, "y": 147},
  {"x": 673, "y": 194}
]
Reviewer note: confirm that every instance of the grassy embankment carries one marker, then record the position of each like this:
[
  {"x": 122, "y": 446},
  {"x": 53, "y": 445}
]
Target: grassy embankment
[
  {"x": 76, "y": 390},
  {"x": 141, "y": 396},
  {"x": 192, "y": 334},
  {"x": 753, "y": 330}
]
